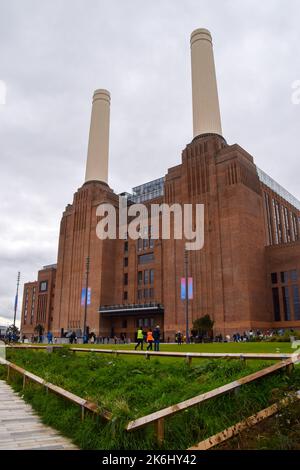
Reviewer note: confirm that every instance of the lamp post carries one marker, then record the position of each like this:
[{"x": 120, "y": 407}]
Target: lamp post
[
  {"x": 86, "y": 296},
  {"x": 186, "y": 269},
  {"x": 16, "y": 300}
]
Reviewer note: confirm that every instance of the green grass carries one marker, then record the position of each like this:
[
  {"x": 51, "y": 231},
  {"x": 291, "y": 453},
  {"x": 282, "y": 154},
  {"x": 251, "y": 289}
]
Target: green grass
[
  {"x": 247, "y": 347},
  {"x": 131, "y": 387}
]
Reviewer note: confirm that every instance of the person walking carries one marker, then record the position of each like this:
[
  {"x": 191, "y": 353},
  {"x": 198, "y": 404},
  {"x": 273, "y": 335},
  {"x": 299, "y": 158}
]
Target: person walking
[
  {"x": 150, "y": 340},
  {"x": 50, "y": 337},
  {"x": 140, "y": 338},
  {"x": 179, "y": 338},
  {"x": 156, "y": 336}
]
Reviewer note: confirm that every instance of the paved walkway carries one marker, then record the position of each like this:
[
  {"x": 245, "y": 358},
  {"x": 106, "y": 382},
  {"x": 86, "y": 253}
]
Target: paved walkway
[{"x": 21, "y": 428}]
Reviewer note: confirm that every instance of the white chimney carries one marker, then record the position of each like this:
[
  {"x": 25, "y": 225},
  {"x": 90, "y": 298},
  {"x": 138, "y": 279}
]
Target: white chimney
[
  {"x": 206, "y": 110},
  {"x": 97, "y": 158}
]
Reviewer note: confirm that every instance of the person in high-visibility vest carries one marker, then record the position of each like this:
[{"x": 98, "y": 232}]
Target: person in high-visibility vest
[
  {"x": 150, "y": 340},
  {"x": 140, "y": 338}
]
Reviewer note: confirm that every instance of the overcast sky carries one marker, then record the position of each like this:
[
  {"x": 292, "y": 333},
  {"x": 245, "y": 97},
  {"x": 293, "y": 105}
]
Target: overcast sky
[{"x": 55, "y": 53}]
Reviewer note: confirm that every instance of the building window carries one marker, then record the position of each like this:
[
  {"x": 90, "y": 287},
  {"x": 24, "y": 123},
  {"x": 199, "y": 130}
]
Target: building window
[
  {"x": 43, "y": 286},
  {"x": 274, "y": 278},
  {"x": 286, "y": 303},
  {"x": 144, "y": 259},
  {"x": 140, "y": 294},
  {"x": 145, "y": 243},
  {"x": 140, "y": 278},
  {"x": 276, "y": 305},
  {"x": 124, "y": 324},
  {"x": 151, "y": 243},
  {"x": 140, "y": 244},
  {"x": 125, "y": 262},
  {"x": 269, "y": 219},
  {"x": 295, "y": 227},
  {"x": 294, "y": 275},
  {"x": 151, "y": 276},
  {"x": 146, "y": 276},
  {"x": 296, "y": 301},
  {"x": 126, "y": 247},
  {"x": 284, "y": 277},
  {"x": 125, "y": 295},
  {"x": 146, "y": 293},
  {"x": 151, "y": 293},
  {"x": 125, "y": 279},
  {"x": 287, "y": 225}
]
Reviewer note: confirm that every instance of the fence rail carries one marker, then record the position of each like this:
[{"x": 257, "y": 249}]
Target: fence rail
[
  {"x": 84, "y": 404},
  {"x": 157, "y": 418},
  {"x": 185, "y": 355},
  {"x": 249, "y": 422}
]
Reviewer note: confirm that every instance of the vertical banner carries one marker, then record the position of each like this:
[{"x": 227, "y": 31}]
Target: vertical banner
[
  {"x": 190, "y": 288},
  {"x": 183, "y": 288},
  {"x": 89, "y": 295}
]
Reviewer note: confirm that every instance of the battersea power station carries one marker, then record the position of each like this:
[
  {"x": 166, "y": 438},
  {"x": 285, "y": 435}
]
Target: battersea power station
[{"x": 245, "y": 276}]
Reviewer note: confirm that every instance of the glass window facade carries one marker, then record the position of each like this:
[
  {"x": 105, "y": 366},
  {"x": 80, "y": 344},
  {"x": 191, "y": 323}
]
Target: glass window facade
[
  {"x": 276, "y": 304},
  {"x": 296, "y": 302},
  {"x": 286, "y": 303},
  {"x": 144, "y": 259}
]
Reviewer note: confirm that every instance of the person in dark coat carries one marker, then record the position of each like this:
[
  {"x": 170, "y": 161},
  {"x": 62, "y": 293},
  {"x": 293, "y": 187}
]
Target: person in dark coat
[{"x": 156, "y": 336}]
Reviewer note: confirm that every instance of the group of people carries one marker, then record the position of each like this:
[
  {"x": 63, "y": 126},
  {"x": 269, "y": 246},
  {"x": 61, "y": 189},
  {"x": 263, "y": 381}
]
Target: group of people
[{"x": 149, "y": 337}]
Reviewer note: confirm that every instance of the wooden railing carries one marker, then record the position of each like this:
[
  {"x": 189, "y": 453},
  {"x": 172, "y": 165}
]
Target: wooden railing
[
  {"x": 187, "y": 356},
  {"x": 84, "y": 404},
  {"x": 157, "y": 418}
]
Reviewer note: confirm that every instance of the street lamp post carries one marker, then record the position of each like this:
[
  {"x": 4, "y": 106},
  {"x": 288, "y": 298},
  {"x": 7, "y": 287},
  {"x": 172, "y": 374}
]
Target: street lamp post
[
  {"x": 86, "y": 296},
  {"x": 16, "y": 300},
  {"x": 186, "y": 266}
]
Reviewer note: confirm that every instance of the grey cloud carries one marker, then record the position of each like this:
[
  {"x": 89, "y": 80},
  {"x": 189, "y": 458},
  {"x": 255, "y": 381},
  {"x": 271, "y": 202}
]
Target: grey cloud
[{"x": 53, "y": 54}]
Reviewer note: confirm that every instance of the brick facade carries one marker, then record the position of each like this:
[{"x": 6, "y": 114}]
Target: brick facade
[{"x": 250, "y": 232}]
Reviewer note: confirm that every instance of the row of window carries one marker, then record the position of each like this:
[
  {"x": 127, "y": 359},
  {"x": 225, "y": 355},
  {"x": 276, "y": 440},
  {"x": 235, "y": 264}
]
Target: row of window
[
  {"x": 282, "y": 224},
  {"x": 284, "y": 276},
  {"x": 32, "y": 305},
  {"x": 142, "y": 259},
  {"x": 142, "y": 244},
  {"x": 145, "y": 243},
  {"x": 290, "y": 297},
  {"x": 146, "y": 277},
  {"x": 146, "y": 293}
]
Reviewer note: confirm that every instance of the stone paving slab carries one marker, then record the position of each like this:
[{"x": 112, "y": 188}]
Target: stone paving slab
[{"x": 22, "y": 429}]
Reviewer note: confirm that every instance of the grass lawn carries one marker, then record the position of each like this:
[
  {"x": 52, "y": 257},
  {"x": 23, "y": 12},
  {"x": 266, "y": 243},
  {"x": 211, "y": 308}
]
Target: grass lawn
[
  {"x": 131, "y": 387},
  {"x": 247, "y": 347}
]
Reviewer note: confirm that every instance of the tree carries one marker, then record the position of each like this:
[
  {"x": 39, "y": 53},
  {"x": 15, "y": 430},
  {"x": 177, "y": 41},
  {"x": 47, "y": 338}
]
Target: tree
[
  {"x": 202, "y": 326},
  {"x": 12, "y": 332}
]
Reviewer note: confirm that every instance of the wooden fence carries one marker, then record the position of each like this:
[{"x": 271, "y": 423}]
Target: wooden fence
[
  {"x": 157, "y": 418},
  {"x": 84, "y": 404}
]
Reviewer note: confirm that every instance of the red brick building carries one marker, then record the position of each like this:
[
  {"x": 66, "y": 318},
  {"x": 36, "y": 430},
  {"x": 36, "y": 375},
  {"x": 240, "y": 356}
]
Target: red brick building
[
  {"x": 247, "y": 276},
  {"x": 38, "y": 302}
]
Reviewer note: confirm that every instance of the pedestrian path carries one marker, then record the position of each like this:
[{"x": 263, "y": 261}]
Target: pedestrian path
[{"x": 21, "y": 428}]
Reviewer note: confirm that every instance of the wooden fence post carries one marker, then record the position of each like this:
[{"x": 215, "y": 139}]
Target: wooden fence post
[
  {"x": 289, "y": 369},
  {"x": 160, "y": 431},
  {"x": 188, "y": 360},
  {"x": 8, "y": 373}
]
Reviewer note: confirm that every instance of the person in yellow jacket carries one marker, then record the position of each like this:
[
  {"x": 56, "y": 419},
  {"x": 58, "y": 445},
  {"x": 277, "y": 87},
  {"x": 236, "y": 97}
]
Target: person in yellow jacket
[
  {"x": 150, "y": 340},
  {"x": 140, "y": 338}
]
